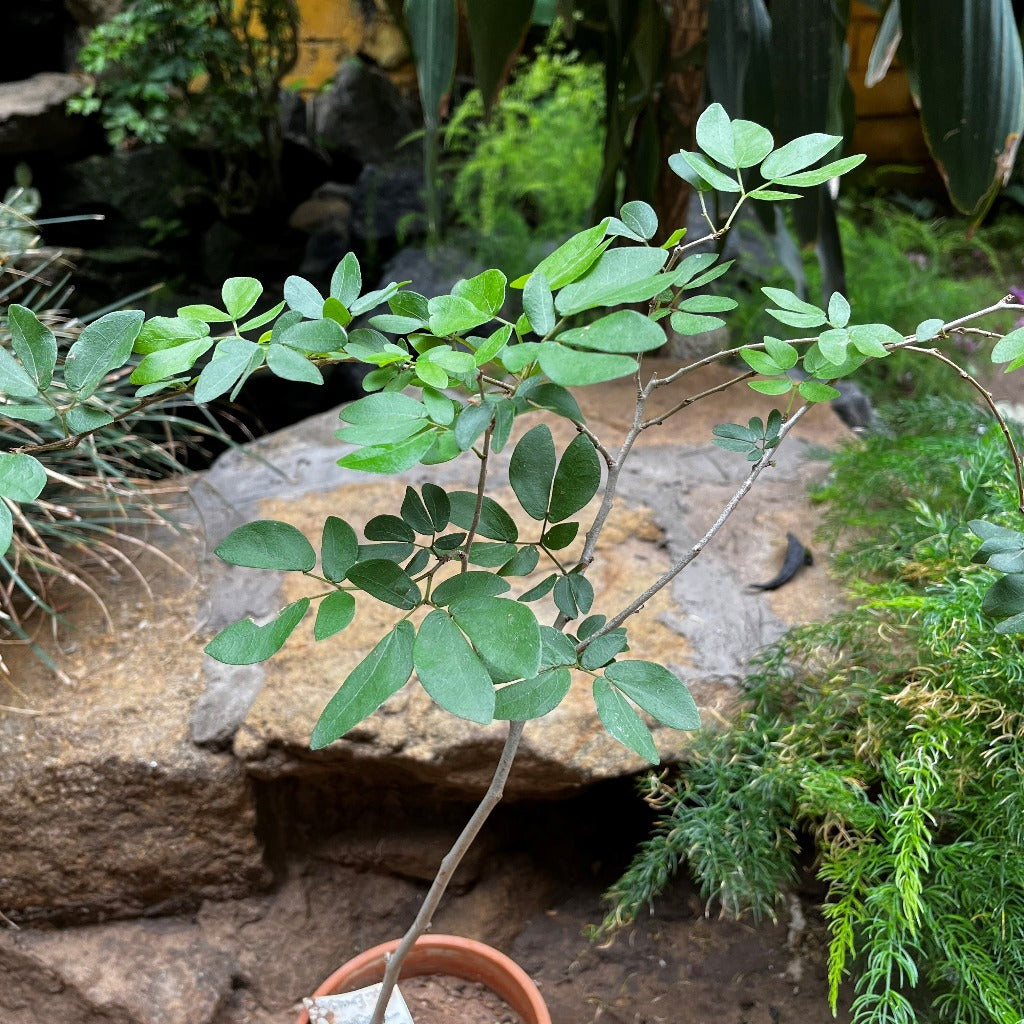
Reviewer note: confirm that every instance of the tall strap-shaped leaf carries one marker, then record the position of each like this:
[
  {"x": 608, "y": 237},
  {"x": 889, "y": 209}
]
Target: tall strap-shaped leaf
[
  {"x": 496, "y": 33},
  {"x": 739, "y": 55},
  {"x": 812, "y": 94},
  {"x": 972, "y": 108},
  {"x": 433, "y": 30}
]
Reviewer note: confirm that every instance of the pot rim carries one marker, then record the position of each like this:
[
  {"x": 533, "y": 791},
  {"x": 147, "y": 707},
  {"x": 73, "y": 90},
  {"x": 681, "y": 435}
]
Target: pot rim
[{"x": 444, "y": 954}]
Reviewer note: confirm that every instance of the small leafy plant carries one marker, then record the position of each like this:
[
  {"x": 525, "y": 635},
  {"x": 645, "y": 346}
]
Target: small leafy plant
[
  {"x": 199, "y": 73},
  {"x": 451, "y": 376}
]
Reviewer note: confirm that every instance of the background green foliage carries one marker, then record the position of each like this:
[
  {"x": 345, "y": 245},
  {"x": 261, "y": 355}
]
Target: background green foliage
[
  {"x": 526, "y": 175},
  {"x": 893, "y": 733},
  {"x": 194, "y": 73}
]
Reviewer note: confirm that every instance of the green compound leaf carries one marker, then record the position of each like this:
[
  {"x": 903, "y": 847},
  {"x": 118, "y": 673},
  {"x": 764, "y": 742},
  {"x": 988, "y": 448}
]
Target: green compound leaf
[
  {"x": 383, "y": 579},
  {"x": 336, "y": 611},
  {"x": 524, "y": 562},
  {"x": 871, "y": 339},
  {"x": 256, "y": 321},
  {"x": 532, "y": 469},
  {"x": 452, "y": 314},
  {"x": 572, "y": 259},
  {"x": 231, "y": 359},
  {"x": 33, "y": 343},
  {"x": 820, "y": 175},
  {"x": 468, "y": 586},
  {"x": 103, "y": 346},
  {"x": 797, "y": 155},
  {"x": 538, "y": 304},
  {"x": 494, "y": 523},
  {"x": 303, "y": 297},
  {"x": 816, "y": 391},
  {"x": 625, "y": 331},
  {"x": 556, "y": 648},
  {"x": 22, "y": 477},
  {"x": 761, "y": 362},
  {"x": 6, "y": 527},
  {"x": 267, "y": 544},
  {"x": 532, "y": 698},
  {"x": 782, "y": 353},
  {"x": 772, "y": 386},
  {"x": 395, "y": 458},
  {"x": 493, "y": 345},
  {"x": 486, "y": 291},
  {"x": 838, "y": 310},
  {"x": 505, "y": 633},
  {"x": 286, "y": 363},
  {"x": 240, "y": 294},
  {"x": 14, "y": 381},
  {"x": 928, "y": 329},
  {"x": 603, "y": 649},
  {"x": 450, "y": 670},
  {"x": 491, "y": 556},
  {"x": 620, "y": 275},
  {"x": 621, "y": 720},
  {"x": 657, "y": 690},
  {"x": 347, "y": 280},
  {"x": 245, "y": 643},
  {"x": 1005, "y": 601},
  {"x": 472, "y": 421},
  {"x": 560, "y": 536},
  {"x": 572, "y": 368},
  {"x": 833, "y": 345},
  {"x": 311, "y": 336},
  {"x": 415, "y": 514},
  {"x": 576, "y": 480},
  {"x": 542, "y": 589},
  {"x": 438, "y": 506},
  {"x": 168, "y": 362},
  {"x": 1009, "y": 347},
  {"x": 640, "y": 218},
  {"x": 389, "y": 528},
  {"x": 383, "y": 672},
  {"x": 83, "y": 418},
  {"x": 553, "y": 397},
  {"x": 339, "y": 548}
]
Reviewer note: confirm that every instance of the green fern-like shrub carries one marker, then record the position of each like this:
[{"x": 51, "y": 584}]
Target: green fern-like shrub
[{"x": 894, "y": 734}]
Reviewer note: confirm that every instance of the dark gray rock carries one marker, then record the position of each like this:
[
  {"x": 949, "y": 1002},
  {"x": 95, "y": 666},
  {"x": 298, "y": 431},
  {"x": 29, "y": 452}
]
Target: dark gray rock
[
  {"x": 388, "y": 203},
  {"x": 32, "y": 117},
  {"x": 362, "y": 117}
]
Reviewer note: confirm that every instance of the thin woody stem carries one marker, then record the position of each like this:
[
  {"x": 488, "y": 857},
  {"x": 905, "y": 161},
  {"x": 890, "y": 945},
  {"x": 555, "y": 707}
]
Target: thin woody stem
[
  {"x": 1018, "y": 467},
  {"x": 452, "y": 859},
  {"x": 681, "y": 563}
]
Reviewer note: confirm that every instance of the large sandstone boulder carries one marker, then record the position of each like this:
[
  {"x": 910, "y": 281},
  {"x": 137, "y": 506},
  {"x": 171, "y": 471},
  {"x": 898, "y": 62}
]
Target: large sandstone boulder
[{"x": 150, "y": 783}]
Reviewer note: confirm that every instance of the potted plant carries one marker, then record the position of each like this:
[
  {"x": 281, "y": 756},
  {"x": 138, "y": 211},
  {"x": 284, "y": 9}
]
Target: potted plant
[{"x": 452, "y": 375}]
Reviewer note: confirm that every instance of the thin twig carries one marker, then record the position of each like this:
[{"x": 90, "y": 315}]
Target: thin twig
[
  {"x": 681, "y": 563},
  {"x": 657, "y": 421},
  {"x": 1018, "y": 466}
]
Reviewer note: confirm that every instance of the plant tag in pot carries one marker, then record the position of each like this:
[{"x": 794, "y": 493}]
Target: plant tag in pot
[{"x": 356, "y": 1007}]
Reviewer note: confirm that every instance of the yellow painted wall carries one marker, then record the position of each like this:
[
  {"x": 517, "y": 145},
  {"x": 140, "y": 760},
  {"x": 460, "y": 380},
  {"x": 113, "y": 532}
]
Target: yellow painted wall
[
  {"x": 888, "y": 128},
  {"x": 332, "y": 30}
]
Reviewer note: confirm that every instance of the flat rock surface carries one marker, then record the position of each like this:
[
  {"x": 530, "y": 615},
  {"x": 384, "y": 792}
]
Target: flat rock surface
[
  {"x": 131, "y": 789},
  {"x": 705, "y": 625}
]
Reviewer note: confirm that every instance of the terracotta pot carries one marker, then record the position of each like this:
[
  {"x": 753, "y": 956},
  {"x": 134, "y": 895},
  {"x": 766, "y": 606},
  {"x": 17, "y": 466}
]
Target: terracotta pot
[{"x": 444, "y": 954}]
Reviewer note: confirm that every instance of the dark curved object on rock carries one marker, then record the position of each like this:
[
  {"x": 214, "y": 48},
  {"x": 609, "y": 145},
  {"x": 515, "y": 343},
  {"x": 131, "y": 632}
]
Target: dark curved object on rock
[{"x": 796, "y": 556}]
